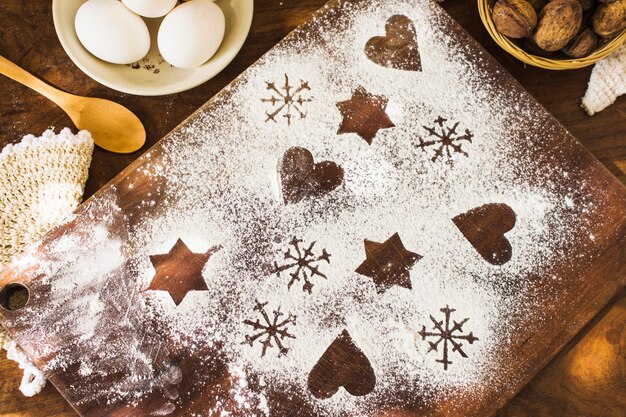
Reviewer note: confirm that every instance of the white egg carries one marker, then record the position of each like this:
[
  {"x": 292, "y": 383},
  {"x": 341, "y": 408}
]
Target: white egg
[
  {"x": 111, "y": 32},
  {"x": 191, "y": 33},
  {"x": 150, "y": 8}
]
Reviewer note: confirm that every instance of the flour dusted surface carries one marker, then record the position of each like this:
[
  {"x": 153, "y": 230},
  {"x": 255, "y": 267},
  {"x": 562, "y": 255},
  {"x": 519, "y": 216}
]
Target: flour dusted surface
[{"x": 390, "y": 186}]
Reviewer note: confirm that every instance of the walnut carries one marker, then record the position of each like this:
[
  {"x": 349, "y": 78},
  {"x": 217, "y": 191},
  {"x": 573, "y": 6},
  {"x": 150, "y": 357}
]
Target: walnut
[
  {"x": 559, "y": 22},
  {"x": 582, "y": 45},
  {"x": 610, "y": 18},
  {"x": 514, "y": 18}
]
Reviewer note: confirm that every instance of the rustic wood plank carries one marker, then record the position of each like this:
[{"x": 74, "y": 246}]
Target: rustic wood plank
[
  {"x": 586, "y": 379},
  {"x": 24, "y": 24}
]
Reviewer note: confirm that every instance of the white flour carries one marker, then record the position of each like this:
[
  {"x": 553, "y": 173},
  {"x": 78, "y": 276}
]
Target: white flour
[{"x": 390, "y": 186}]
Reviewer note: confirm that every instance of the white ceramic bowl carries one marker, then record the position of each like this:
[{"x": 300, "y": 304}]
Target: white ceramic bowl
[{"x": 152, "y": 76}]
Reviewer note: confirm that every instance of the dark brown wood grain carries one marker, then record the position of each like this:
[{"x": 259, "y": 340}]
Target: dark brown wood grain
[
  {"x": 398, "y": 48},
  {"x": 485, "y": 228},
  {"x": 302, "y": 177},
  {"x": 587, "y": 379},
  {"x": 343, "y": 364}
]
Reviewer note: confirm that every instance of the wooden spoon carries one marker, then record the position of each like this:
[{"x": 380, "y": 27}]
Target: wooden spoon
[{"x": 112, "y": 126}]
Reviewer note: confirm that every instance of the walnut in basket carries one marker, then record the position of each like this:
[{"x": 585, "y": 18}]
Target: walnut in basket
[
  {"x": 610, "y": 18},
  {"x": 560, "y": 28},
  {"x": 514, "y": 18},
  {"x": 559, "y": 22}
]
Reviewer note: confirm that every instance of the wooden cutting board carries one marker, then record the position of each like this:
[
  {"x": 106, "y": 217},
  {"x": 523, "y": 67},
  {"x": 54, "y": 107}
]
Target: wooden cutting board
[{"x": 373, "y": 220}]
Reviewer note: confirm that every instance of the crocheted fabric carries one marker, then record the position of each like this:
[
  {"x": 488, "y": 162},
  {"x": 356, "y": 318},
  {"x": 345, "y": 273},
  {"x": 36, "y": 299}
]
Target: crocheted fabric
[
  {"x": 607, "y": 82},
  {"x": 41, "y": 182},
  {"x": 33, "y": 380}
]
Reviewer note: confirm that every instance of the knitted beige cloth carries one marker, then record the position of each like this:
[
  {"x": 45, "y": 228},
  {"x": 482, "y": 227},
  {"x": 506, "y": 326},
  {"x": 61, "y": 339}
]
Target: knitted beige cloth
[
  {"x": 607, "y": 82},
  {"x": 41, "y": 182}
]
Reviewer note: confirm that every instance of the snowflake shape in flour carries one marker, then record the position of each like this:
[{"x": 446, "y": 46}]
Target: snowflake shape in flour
[
  {"x": 445, "y": 140},
  {"x": 267, "y": 330},
  {"x": 450, "y": 336},
  {"x": 287, "y": 100},
  {"x": 303, "y": 262}
]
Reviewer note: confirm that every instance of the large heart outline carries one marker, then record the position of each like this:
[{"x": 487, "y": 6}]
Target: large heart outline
[
  {"x": 485, "y": 228},
  {"x": 343, "y": 364},
  {"x": 302, "y": 177},
  {"x": 398, "y": 49}
]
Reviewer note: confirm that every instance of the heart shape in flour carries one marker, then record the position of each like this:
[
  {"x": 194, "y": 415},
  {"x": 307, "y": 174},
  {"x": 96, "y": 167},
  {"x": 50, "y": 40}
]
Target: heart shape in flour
[
  {"x": 398, "y": 49},
  {"x": 301, "y": 177},
  {"x": 342, "y": 365},
  {"x": 485, "y": 228}
]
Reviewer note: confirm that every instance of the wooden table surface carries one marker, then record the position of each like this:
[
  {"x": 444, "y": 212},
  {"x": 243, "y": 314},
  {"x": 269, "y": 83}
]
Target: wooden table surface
[{"x": 587, "y": 379}]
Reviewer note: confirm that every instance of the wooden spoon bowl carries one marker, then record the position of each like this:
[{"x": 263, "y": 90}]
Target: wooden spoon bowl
[{"x": 112, "y": 126}]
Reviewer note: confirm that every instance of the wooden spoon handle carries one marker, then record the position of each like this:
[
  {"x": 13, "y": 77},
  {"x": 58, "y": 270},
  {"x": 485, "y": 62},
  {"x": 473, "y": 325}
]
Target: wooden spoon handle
[{"x": 22, "y": 76}]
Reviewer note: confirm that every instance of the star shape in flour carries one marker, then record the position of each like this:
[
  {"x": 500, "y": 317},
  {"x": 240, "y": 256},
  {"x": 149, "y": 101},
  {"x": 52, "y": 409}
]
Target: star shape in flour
[
  {"x": 388, "y": 263},
  {"x": 179, "y": 271},
  {"x": 364, "y": 114}
]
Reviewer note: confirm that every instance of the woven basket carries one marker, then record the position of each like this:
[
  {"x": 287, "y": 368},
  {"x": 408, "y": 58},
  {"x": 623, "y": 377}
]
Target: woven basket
[{"x": 485, "y": 9}]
